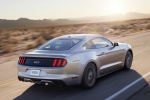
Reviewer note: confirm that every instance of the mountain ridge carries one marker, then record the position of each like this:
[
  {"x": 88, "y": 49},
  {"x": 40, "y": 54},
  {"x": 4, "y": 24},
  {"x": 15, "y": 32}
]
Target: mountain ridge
[{"x": 25, "y": 22}]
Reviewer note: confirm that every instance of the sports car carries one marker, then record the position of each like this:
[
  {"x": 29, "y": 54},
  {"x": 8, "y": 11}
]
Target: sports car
[{"x": 74, "y": 59}]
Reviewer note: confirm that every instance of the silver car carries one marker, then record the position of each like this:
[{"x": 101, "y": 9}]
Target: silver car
[{"x": 74, "y": 59}]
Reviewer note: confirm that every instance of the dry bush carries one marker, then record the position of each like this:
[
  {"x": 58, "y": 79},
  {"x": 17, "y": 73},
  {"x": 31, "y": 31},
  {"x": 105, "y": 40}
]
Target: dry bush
[
  {"x": 8, "y": 48},
  {"x": 6, "y": 35},
  {"x": 26, "y": 38},
  {"x": 25, "y": 29},
  {"x": 124, "y": 35},
  {"x": 52, "y": 36},
  {"x": 34, "y": 36},
  {"x": 31, "y": 46},
  {"x": 39, "y": 41},
  {"x": 1, "y": 48},
  {"x": 45, "y": 36},
  {"x": 148, "y": 26},
  {"x": 117, "y": 32},
  {"x": 14, "y": 40}
]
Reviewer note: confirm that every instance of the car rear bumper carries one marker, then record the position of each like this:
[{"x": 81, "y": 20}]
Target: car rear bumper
[
  {"x": 51, "y": 78},
  {"x": 68, "y": 75},
  {"x": 41, "y": 81}
]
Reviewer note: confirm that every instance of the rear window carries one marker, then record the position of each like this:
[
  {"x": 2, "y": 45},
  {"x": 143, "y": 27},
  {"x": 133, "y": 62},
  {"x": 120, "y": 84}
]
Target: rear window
[{"x": 59, "y": 44}]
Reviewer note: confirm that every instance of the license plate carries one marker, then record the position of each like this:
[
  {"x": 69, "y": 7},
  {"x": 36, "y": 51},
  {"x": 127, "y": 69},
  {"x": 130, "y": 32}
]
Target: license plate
[{"x": 35, "y": 72}]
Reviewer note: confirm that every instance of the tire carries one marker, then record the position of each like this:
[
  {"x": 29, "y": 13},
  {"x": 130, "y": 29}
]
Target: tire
[
  {"x": 89, "y": 76},
  {"x": 128, "y": 60}
]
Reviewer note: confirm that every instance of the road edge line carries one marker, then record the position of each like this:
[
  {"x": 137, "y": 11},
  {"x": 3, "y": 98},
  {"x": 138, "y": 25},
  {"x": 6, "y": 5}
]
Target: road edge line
[
  {"x": 1, "y": 85},
  {"x": 118, "y": 95}
]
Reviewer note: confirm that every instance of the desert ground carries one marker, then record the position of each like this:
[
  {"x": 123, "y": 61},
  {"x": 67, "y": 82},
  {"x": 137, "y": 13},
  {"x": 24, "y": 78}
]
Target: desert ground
[
  {"x": 19, "y": 40},
  {"x": 134, "y": 32}
]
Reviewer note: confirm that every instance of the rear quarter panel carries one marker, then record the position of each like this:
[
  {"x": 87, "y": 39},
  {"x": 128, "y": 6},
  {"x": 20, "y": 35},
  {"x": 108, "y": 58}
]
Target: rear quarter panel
[
  {"x": 125, "y": 47},
  {"x": 80, "y": 59}
]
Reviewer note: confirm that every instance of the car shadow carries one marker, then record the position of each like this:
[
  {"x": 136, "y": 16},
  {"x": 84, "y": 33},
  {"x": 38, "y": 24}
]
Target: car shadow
[{"x": 104, "y": 87}]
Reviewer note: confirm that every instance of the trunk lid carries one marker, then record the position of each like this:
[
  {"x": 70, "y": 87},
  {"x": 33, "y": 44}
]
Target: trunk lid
[{"x": 46, "y": 54}]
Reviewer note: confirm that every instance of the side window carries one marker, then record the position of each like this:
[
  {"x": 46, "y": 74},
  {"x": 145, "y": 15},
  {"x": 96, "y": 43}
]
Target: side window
[
  {"x": 89, "y": 45},
  {"x": 101, "y": 42},
  {"x": 97, "y": 43}
]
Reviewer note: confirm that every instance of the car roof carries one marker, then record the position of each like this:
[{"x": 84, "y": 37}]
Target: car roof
[{"x": 80, "y": 36}]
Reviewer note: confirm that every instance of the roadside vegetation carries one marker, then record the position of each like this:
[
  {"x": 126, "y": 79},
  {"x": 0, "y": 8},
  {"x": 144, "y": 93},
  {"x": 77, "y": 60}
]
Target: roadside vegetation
[{"x": 20, "y": 39}]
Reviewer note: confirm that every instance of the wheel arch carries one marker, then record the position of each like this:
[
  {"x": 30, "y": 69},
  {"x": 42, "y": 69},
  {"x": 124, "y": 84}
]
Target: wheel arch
[
  {"x": 93, "y": 62},
  {"x": 131, "y": 51}
]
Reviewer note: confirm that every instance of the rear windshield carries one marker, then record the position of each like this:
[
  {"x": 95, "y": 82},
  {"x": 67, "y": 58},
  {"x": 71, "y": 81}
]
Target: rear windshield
[{"x": 59, "y": 44}]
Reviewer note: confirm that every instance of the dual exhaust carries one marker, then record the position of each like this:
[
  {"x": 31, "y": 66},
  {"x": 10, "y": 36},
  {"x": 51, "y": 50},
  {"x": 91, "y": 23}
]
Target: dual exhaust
[{"x": 39, "y": 81}]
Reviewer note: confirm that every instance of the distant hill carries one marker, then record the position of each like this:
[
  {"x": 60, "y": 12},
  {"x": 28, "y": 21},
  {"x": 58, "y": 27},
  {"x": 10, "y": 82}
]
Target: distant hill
[
  {"x": 116, "y": 17},
  {"x": 25, "y": 22}
]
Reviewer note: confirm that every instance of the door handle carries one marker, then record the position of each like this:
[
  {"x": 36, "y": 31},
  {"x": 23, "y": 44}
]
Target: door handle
[{"x": 101, "y": 54}]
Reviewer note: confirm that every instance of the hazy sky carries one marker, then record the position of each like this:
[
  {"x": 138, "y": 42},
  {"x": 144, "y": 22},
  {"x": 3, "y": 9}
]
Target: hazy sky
[{"x": 40, "y": 9}]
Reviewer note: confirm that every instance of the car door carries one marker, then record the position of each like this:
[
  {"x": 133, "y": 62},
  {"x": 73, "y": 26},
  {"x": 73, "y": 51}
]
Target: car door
[{"x": 109, "y": 55}]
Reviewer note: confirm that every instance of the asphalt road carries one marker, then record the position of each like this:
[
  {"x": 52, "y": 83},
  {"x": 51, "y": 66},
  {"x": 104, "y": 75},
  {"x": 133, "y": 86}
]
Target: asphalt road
[
  {"x": 11, "y": 88},
  {"x": 143, "y": 94}
]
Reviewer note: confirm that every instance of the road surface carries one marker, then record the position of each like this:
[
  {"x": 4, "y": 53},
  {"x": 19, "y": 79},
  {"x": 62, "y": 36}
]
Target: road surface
[{"x": 107, "y": 86}]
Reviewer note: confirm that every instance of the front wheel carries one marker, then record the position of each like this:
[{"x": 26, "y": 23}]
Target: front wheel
[
  {"x": 128, "y": 60},
  {"x": 89, "y": 76}
]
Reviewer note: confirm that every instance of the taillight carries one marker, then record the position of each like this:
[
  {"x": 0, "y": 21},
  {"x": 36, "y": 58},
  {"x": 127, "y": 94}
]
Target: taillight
[
  {"x": 22, "y": 60},
  {"x": 59, "y": 62}
]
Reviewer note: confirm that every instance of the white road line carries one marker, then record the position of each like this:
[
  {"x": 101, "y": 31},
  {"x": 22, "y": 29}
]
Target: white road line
[{"x": 127, "y": 87}]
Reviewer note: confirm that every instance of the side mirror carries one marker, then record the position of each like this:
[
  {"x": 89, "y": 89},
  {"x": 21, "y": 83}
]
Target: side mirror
[{"x": 116, "y": 44}]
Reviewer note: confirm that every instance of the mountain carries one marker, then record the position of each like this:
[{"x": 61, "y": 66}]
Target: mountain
[
  {"x": 25, "y": 22},
  {"x": 116, "y": 17}
]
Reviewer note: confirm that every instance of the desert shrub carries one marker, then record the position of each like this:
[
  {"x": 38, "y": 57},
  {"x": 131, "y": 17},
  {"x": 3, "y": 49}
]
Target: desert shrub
[
  {"x": 30, "y": 46},
  {"x": 25, "y": 29},
  {"x": 6, "y": 35},
  {"x": 34, "y": 36},
  {"x": 51, "y": 36},
  {"x": 8, "y": 48},
  {"x": 148, "y": 26},
  {"x": 45, "y": 36},
  {"x": 14, "y": 40},
  {"x": 26, "y": 38},
  {"x": 39, "y": 41},
  {"x": 1, "y": 48},
  {"x": 117, "y": 32}
]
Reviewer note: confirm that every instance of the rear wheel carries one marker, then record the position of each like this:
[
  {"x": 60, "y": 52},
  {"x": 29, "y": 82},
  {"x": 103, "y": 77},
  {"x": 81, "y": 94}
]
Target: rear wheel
[
  {"x": 89, "y": 76},
  {"x": 128, "y": 60}
]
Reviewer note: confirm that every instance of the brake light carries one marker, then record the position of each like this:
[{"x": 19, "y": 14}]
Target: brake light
[
  {"x": 22, "y": 60},
  {"x": 54, "y": 63},
  {"x": 64, "y": 62},
  {"x": 59, "y": 62}
]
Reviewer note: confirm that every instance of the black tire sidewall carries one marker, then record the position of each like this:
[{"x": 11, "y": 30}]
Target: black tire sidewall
[
  {"x": 85, "y": 75},
  {"x": 125, "y": 65}
]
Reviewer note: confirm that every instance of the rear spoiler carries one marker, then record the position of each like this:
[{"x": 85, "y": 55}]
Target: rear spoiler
[{"x": 44, "y": 55}]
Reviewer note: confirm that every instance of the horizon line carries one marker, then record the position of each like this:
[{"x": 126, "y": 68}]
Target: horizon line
[{"x": 75, "y": 17}]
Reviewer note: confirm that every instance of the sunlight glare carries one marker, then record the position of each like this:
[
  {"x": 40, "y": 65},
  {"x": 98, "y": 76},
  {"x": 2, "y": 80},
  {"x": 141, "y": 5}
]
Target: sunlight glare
[{"x": 114, "y": 7}]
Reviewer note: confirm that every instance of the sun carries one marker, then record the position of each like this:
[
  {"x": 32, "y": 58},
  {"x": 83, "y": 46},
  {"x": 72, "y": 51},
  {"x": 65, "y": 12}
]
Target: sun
[{"x": 114, "y": 7}]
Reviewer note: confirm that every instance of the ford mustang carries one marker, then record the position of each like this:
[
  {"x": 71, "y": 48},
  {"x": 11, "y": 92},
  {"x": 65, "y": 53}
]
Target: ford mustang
[{"x": 74, "y": 59}]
